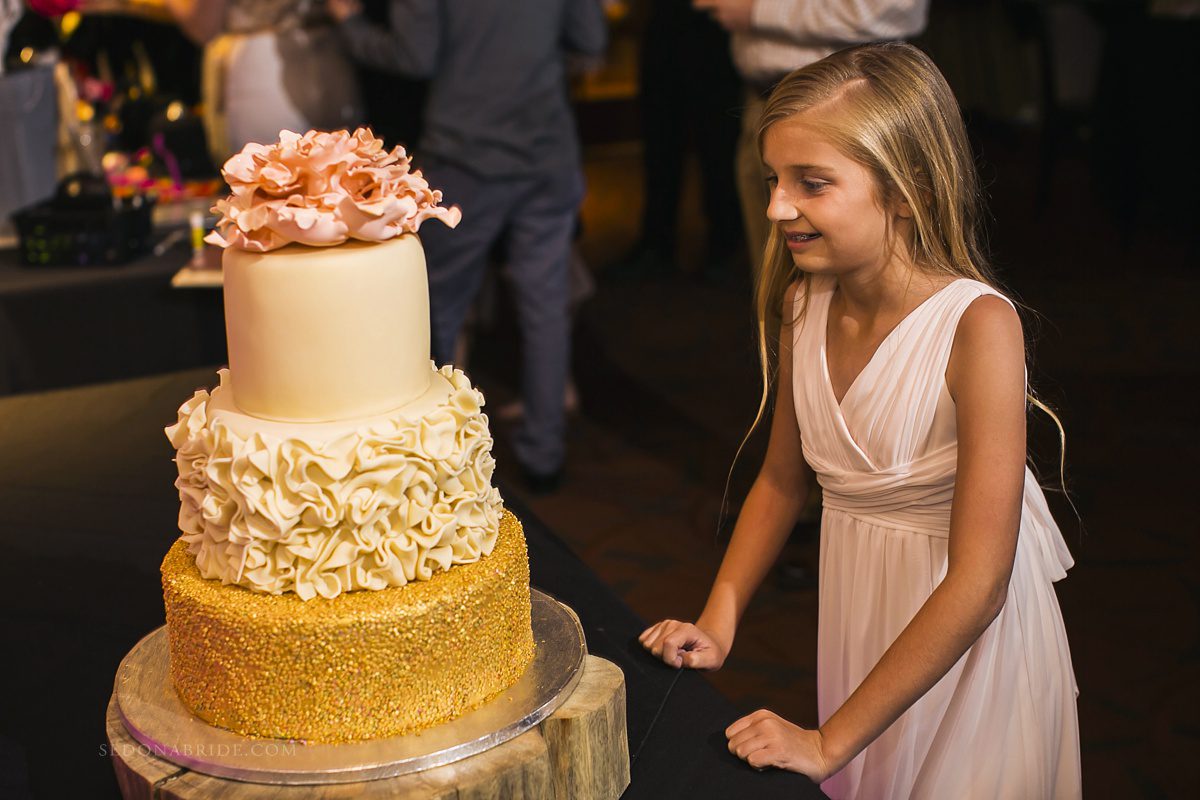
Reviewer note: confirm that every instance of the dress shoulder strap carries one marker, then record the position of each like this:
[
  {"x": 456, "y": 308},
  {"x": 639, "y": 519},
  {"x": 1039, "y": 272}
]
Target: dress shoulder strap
[
  {"x": 954, "y": 301},
  {"x": 958, "y": 296}
]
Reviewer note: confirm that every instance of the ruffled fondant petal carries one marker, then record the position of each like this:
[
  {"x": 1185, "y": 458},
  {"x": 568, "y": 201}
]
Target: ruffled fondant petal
[
  {"x": 382, "y": 507},
  {"x": 322, "y": 189}
]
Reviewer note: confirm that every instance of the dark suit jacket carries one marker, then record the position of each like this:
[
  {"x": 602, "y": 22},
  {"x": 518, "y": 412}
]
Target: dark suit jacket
[{"x": 497, "y": 102}]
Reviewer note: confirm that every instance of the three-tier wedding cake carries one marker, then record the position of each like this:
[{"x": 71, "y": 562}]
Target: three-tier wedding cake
[{"x": 346, "y": 569}]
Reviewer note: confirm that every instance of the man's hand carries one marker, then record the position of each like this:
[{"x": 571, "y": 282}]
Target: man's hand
[
  {"x": 765, "y": 739},
  {"x": 732, "y": 15},
  {"x": 342, "y": 10}
]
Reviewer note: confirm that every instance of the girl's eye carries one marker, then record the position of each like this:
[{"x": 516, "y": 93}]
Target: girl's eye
[
  {"x": 771, "y": 181},
  {"x": 813, "y": 186}
]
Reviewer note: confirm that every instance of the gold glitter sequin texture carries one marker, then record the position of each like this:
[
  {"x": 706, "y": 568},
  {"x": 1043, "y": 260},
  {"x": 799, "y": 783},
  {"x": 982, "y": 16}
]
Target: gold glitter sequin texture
[{"x": 365, "y": 664}]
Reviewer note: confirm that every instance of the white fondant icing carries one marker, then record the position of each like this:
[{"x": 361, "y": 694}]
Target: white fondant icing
[{"x": 319, "y": 334}]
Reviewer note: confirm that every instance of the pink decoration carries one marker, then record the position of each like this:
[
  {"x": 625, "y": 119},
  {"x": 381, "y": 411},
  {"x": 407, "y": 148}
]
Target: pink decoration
[
  {"x": 95, "y": 90},
  {"x": 53, "y": 8},
  {"x": 322, "y": 189}
]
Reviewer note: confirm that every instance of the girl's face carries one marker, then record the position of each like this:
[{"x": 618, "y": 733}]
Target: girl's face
[{"x": 826, "y": 205}]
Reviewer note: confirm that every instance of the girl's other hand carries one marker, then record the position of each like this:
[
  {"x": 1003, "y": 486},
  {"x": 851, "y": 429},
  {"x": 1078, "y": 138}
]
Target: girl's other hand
[
  {"x": 682, "y": 644},
  {"x": 765, "y": 739}
]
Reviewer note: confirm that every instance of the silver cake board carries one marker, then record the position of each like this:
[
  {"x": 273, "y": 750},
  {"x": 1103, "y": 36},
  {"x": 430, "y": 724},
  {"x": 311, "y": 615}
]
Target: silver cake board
[{"x": 154, "y": 715}]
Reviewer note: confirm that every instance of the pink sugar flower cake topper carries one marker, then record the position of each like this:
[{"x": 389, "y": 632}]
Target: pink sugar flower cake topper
[{"x": 321, "y": 189}]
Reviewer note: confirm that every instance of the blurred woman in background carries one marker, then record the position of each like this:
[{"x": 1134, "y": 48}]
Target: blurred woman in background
[{"x": 269, "y": 65}]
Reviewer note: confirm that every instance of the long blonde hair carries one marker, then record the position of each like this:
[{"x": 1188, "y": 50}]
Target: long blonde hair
[{"x": 896, "y": 116}]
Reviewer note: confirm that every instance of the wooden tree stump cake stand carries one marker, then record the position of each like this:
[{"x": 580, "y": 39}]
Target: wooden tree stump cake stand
[{"x": 579, "y": 751}]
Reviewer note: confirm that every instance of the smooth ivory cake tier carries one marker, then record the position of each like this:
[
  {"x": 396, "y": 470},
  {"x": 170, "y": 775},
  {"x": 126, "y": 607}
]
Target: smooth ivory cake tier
[
  {"x": 362, "y": 665},
  {"x": 327, "y": 333}
]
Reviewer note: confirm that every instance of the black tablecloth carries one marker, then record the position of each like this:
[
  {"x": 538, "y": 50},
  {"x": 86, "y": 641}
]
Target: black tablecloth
[{"x": 87, "y": 509}]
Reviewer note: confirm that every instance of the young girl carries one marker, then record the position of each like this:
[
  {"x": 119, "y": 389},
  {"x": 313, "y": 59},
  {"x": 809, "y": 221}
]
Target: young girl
[{"x": 943, "y": 667}]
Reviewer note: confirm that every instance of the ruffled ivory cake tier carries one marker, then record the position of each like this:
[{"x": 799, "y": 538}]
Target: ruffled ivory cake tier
[
  {"x": 327, "y": 333},
  {"x": 325, "y": 508},
  {"x": 362, "y": 665}
]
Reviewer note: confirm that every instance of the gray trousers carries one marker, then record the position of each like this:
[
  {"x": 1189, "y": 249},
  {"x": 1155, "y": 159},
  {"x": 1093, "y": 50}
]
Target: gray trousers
[{"x": 536, "y": 215}]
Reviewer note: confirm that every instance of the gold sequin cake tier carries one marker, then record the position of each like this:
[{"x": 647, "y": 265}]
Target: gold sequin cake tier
[{"x": 365, "y": 664}]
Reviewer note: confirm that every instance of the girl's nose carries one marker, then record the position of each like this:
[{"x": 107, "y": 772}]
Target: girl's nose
[{"x": 780, "y": 207}]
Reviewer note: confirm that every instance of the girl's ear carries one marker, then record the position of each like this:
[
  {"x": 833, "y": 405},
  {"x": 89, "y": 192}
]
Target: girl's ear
[{"x": 901, "y": 208}]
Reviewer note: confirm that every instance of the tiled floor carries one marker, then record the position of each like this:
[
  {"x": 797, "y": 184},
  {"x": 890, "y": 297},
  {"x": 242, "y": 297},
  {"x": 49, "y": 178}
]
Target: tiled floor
[{"x": 667, "y": 371}]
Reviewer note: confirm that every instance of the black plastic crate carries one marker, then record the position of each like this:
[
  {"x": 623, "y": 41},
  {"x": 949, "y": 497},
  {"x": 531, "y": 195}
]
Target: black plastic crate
[{"x": 84, "y": 225}]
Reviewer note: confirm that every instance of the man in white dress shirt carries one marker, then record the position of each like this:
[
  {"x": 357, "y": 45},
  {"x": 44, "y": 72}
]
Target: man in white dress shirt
[{"x": 770, "y": 38}]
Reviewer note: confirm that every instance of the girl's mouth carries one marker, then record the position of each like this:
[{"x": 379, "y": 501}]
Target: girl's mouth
[{"x": 799, "y": 240}]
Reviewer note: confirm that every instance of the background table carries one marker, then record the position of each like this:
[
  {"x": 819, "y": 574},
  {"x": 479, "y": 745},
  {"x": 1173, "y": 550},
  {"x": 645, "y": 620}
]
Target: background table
[
  {"x": 88, "y": 510},
  {"x": 67, "y": 326}
]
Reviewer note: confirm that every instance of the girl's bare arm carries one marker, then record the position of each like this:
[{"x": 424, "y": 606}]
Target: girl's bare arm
[{"x": 767, "y": 517}]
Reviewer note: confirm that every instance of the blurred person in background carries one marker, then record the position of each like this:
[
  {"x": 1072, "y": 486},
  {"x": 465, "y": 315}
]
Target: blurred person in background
[
  {"x": 769, "y": 39},
  {"x": 269, "y": 65},
  {"x": 499, "y": 140},
  {"x": 689, "y": 97}
]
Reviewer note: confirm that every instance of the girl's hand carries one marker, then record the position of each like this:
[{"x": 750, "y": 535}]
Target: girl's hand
[
  {"x": 764, "y": 739},
  {"x": 682, "y": 644}
]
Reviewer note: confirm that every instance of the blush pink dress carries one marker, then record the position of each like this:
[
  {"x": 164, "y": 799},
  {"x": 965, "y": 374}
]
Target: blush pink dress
[{"x": 1002, "y": 723}]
